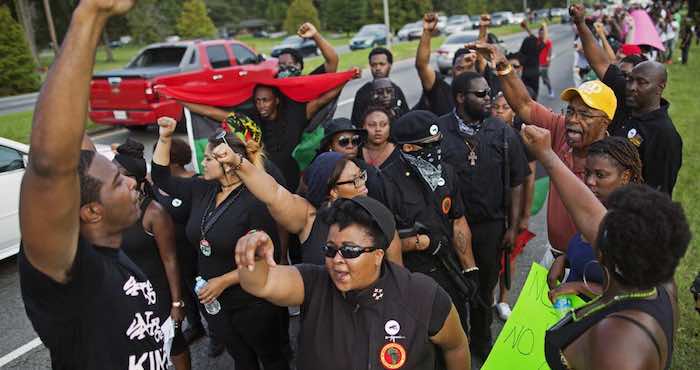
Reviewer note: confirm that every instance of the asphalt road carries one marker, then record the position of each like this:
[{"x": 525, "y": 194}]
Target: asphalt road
[{"x": 19, "y": 345}]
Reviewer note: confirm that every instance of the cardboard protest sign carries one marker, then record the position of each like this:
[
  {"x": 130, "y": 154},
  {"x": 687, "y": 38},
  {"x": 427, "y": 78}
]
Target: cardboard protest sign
[{"x": 521, "y": 342}]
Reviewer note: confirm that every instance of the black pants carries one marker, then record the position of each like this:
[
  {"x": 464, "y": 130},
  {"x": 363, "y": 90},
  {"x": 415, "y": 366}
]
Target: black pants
[
  {"x": 460, "y": 301},
  {"x": 532, "y": 80},
  {"x": 486, "y": 245},
  {"x": 252, "y": 333},
  {"x": 684, "y": 54}
]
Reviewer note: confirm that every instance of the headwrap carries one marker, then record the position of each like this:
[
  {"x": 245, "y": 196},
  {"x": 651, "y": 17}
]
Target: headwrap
[
  {"x": 317, "y": 176},
  {"x": 242, "y": 126},
  {"x": 135, "y": 166}
]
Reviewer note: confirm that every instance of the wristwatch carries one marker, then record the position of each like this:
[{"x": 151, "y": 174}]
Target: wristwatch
[{"x": 179, "y": 304}]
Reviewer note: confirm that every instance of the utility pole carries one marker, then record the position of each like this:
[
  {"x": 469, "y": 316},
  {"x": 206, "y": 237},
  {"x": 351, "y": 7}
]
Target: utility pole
[
  {"x": 386, "y": 22},
  {"x": 525, "y": 7},
  {"x": 52, "y": 29}
]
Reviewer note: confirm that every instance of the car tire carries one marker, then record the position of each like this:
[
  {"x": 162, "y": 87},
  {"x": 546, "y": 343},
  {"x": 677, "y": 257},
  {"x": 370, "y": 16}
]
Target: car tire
[{"x": 137, "y": 128}]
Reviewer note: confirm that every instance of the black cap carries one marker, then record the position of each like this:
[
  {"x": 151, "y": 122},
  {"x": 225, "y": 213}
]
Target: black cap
[
  {"x": 381, "y": 216},
  {"x": 415, "y": 127},
  {"x": 337, "y": 125}
]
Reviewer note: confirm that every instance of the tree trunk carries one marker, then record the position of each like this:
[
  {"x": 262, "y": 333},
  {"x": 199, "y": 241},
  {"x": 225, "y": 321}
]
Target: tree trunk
[
  {"x": 108, "y": 49},
  {"x": 52, "y": 30},
  {"x": 25, "y": 17}
]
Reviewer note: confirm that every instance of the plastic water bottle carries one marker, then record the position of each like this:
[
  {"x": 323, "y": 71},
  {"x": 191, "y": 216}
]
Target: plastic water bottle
[
  {"x": 212, "y": 308},
  {"x": 563, "y": 305}
]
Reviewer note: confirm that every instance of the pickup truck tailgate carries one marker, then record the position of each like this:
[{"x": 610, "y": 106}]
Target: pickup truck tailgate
[{"x": 128, "y": 93}]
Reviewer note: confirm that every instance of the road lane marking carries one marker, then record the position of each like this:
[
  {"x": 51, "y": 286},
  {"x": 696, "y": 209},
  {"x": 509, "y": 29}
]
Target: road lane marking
[
  {"x": 4, "y": 360},
  {"x": 346, "y": 101}
]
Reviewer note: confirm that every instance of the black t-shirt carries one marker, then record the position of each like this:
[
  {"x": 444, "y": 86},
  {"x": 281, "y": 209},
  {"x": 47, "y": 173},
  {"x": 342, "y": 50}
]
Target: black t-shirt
[
  {"x": 282, "y": 135},
  {"x": 659, "y": 144},
  {"x": 482, "y": 185},
  {"x": 363, "y": 101},
  {"x": 439, "y": 98},
  {"x": 411, "y": 201},
  {"x": 244, "y": 214},
  {"x": 387, "y": 323},
  {"x": 103, "y": 318}
]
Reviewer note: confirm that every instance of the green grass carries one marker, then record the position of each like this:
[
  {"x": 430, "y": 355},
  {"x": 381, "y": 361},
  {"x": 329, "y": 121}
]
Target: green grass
[
  {"x": 17, "y": 126},
  {"x": 680, "y": 91}
]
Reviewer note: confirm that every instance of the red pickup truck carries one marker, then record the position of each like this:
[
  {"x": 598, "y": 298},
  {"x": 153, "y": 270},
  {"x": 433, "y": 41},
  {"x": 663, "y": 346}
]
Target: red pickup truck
[{"x": 126, "y": 97}]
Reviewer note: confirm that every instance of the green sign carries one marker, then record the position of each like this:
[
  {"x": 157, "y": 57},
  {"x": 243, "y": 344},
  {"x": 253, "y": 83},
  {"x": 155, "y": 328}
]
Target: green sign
[{"x": 520, "y": 346}]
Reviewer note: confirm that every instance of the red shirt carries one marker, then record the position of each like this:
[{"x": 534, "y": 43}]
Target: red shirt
[
  {"x": 544, "y": 53},
  {"x": 560, "y": 227}
]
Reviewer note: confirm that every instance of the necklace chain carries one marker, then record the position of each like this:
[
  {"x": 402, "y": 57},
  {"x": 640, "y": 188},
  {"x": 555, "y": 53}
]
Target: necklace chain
[{"x": 615, "y": 299}]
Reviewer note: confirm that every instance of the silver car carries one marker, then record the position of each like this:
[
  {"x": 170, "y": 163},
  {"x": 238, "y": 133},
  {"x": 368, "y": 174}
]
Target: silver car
[
  {"x": 458, "y": 23},
  {"x": 411, "y": 31},
  {"x": 446, "y": 52}
]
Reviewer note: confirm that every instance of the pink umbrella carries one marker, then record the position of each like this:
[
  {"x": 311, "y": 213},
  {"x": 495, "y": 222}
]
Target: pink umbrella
[{"x": 644, "y": 31}]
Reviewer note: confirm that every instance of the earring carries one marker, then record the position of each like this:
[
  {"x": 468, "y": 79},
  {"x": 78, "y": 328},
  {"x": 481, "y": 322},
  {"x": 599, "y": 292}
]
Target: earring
[{"x": 585, "y": 281}]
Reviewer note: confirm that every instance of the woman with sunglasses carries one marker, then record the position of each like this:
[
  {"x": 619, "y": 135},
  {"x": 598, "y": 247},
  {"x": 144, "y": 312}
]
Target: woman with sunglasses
[
  {"x": 611, "y": 163},
  {"x": 330, "y": 176},
  {"x": 378, "y": 150},
  {"x": 360, "y": 311},
  {"x": 343, "y": 137},
  {"x": 223, "y": 209},
  {"x": 638, "y": 241}
]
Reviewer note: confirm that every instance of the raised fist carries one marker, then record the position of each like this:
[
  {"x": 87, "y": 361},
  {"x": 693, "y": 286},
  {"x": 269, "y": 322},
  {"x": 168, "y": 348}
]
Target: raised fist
[
  {"x": 307, "y": 30},
  {"x": 166, "y": 126},
  {"x": 430, "y": 21}
]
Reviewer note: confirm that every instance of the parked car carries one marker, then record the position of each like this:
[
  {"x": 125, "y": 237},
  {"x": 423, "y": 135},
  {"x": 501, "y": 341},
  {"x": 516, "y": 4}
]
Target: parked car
[
  {"x": 126, "y": 97},
  {"x": 370, "y": 35},
  {"x": 446, "y": 52},
  {"x": 442, "y": 23},
  {"x": 519, "y": 18},
  {"x": 305, "y": 46},
  {"x": 475, "y": 21},
  {"x": 411, "y": 31},
  {"x": 559, "y": 12},
  {"x": 502, "y": 18},
  {"x": 458, "y": 23},
  {"x": 13, "y": 161}
]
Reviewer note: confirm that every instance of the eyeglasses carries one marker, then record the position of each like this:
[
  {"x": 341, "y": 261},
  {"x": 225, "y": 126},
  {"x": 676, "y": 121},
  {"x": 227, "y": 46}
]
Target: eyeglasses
[
  {"x": 481, "y": 93},
  {"x": 357, "y": 181},
  {"x": 344, "y": 141},
  {"x": 347, "y": 251},
  {"x": 570, "y": 112}
]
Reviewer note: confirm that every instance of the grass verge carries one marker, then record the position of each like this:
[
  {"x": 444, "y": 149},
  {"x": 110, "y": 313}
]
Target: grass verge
[
  {"x": 17, "y": 126},
  {"x": 680, "y": 92}
]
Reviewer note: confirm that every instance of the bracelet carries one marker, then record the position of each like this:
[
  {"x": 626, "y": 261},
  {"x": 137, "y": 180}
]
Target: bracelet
[
  {"x": 470, "y": 269},
  {"x": 178, "y": 304},
  {"x": 506, "y": 71},
  {"x": 240, "y": 163}
]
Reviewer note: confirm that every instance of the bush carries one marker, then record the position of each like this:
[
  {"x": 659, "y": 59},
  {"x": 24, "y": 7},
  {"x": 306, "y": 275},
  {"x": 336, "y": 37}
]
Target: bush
[
  {"x": 17, "y": 68},
  {"x": 300, "y": 11},
  {"x": 194, "y": 22},
  {"x": 147, "y": 22}
]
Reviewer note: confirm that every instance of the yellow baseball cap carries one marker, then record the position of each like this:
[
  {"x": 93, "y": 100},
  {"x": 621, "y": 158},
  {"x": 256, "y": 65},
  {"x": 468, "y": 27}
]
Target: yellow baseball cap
[{"x": 595, "y": 94}]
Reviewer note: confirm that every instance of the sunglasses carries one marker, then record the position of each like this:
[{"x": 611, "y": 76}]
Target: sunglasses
[
  {"x": 344, "y": 141},
  {"x": 221, "y": 135},
  {"x": 481, "y": 93},
  {"x": 357, "y": 181},
  {"x": 347, "y": 251}
]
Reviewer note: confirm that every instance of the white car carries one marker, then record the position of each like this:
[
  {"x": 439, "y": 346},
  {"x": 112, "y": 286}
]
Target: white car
[
  {"x": 458, "y": 23},
  {"x": 411, "y": 31},
  {"x": 446, "y": 52},
  {"x": 519, "y": 18},
  {"x": 13, "y": 161}
]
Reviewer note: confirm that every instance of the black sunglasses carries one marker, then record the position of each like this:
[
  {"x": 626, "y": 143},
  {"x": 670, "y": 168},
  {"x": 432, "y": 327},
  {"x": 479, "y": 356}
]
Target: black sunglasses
[
  {"x": 481, "y": 93},
  {"x": 346, "y": 251},
  {"x": 344, "y": 141}
]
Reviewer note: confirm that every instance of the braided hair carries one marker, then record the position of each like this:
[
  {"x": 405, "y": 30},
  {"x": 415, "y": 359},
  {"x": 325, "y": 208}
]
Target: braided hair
[{"x": 623, "y": 154}]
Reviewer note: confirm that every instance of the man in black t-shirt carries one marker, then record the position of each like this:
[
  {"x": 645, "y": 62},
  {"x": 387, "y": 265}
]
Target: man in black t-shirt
[
  {"x": 642, "y": 114},
  {"x": 380, "y": 61},
  {"x": 437, "y": 93},
  {"x": 91, "y": 306}
]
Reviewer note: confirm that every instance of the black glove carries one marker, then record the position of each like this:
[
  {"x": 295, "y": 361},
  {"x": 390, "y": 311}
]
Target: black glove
[{"x": 472, "y": 277}]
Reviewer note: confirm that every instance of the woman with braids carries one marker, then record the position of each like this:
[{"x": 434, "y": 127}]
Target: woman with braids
[
  {"x": 222, "y": 209},
  {"x": 150, "y": 243},
  {"x": 611, "y": 163},
  {"x": 638, "y": 241}
]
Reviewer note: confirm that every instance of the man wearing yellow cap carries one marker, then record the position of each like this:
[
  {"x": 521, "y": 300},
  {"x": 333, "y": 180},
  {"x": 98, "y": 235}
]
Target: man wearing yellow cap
[{"x": 591, "y": 109}]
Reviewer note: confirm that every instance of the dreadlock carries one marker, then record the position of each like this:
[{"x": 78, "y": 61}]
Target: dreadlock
[{"x": 625, "y": 155}]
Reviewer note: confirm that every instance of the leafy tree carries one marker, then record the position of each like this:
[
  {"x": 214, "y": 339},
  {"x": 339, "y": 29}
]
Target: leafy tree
[
  {"x": 147, "y": 24},
  {"x": 17, "y": 68},
  {"x": 300, "y": 11},
  {"x": 275, "y": 13},
  {"x": 194, "y": 21},
  {"x": 345, "y": 15},
  {"x": 225, "y": 12}
]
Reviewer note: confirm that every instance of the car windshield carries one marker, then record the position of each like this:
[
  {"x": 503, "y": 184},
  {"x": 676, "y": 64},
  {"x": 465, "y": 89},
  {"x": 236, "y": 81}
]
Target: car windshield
[
  {"x": 169, "y": 56},
  {"x": 371, "y": 31},
  {"x": 410, "y": 26},
  {"x": 474, "y": 18},
  {"x": 291, "y": 40},
  {"x": 461, "y": 39},
  {"x": 456, "y": 20}
]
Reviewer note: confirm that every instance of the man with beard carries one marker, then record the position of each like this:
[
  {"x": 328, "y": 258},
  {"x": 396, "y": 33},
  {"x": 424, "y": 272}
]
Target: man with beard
[
  {"x": 380, "y": 61},
  {"x": 642, "y": 114},
  {"x": 491, "y": 165},
  {"x": 437, "y": 93},
  {"x": 421, "y": 191},
  {"x": 291, "y": 62},
  {"x": 92, "y": 307},
  {"x": 590, "y": 110},
  {"x": 383, "y": 94}
]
